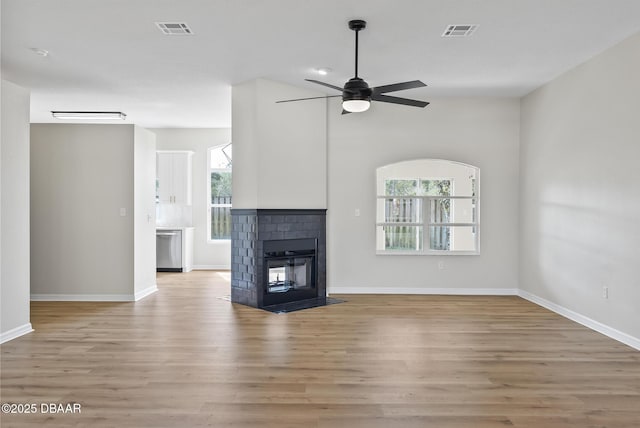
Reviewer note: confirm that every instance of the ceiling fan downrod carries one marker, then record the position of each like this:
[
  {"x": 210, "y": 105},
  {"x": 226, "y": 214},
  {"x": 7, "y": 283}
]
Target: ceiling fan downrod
[{"x": 357, "y": 25}]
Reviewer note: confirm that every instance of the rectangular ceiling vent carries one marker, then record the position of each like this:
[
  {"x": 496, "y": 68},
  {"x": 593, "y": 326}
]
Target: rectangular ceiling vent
[
  {"x": 175, "y": 28},
  {"x": 459, "y": 30}
]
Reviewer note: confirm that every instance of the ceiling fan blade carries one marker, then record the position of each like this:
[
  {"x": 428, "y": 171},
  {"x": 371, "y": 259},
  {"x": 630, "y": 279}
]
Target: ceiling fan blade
[
  {"x": 398, "y": 87},
  {"x": 311, "y": 98},
  {"x": 324, "y": 84},
  {"x": 398, "y": 100}
]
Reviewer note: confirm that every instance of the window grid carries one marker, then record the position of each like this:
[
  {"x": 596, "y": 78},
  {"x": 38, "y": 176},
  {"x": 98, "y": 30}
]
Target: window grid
[
  {"x": 219, "y": 210},
  {"x": 427, "y": 223},
  {"x": 219, "y": 194}
]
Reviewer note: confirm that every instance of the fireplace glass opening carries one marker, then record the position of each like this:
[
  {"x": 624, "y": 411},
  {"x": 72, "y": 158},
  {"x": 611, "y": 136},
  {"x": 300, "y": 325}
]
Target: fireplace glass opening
[
  {"x": 289, "y": 274},
  {"x": 290, "y": 270}
]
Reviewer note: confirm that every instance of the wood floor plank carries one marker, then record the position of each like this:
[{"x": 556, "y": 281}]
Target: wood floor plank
[{"x": 185, "y": 357}]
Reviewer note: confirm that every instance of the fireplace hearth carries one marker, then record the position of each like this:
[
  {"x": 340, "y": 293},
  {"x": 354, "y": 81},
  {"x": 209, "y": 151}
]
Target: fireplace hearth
[{"x": 278, "y": 257}]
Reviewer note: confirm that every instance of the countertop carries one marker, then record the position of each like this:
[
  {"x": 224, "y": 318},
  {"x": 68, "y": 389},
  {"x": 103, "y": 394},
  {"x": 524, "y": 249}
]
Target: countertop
[{"x": 173, "y": 227}]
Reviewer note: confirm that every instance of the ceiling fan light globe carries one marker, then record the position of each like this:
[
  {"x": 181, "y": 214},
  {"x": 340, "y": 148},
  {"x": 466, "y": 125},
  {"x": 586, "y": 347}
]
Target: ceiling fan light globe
[{"x": 356, "y": 106}]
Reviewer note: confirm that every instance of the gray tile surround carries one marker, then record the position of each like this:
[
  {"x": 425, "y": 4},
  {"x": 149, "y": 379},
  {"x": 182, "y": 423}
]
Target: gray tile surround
[{"x": 251, "y": 227}]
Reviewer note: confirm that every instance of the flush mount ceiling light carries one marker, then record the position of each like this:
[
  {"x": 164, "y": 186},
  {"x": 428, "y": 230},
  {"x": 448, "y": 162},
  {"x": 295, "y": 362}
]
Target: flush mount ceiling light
[
  {"x": 323, "y": 71},
  {"x": 39, "y": 52},
  {"x": 89, "y": 115}
]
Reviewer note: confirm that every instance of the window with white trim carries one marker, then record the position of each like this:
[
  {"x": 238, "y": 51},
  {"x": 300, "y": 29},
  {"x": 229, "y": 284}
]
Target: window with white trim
[
  {"x": 220, "y": 192},
  {"x": 427, "y": 206}
]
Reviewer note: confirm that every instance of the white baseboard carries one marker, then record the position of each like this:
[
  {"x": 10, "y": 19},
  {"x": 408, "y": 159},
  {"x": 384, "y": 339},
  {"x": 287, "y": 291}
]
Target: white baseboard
[
  {"x": 147, "y": 291},
  {"x": 82, "y": 298},
  {"x": 15, "y": 332},
  {"x": 625, "y": 338},
  {"x": 94, "y": 297},
  {"x": 415, "y": 290},
  {"x": 211, "y": 267}
]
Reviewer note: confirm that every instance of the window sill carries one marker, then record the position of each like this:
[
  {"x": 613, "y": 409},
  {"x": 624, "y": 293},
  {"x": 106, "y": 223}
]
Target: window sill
[
  {"x": 218, "y": 241},
  {"x": 426, "y": 253}
]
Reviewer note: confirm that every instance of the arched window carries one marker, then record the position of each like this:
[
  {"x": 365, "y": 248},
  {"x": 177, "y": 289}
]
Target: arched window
[
  {"x": 428, "y": 206},
  {"x": 220, "y": 199}
]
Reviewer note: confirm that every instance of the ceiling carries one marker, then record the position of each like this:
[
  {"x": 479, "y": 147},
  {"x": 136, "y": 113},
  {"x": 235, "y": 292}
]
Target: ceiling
[{"x": 109, "y": 55}]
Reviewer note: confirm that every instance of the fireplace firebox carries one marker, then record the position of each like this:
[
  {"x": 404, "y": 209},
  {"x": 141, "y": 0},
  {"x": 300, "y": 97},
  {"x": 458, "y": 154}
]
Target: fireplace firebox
[{"x": 290, "y": 266}]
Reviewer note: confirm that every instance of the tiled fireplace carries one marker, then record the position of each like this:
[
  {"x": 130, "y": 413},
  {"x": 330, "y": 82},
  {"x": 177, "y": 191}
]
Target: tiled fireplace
[{"x": 277, "y": 256}]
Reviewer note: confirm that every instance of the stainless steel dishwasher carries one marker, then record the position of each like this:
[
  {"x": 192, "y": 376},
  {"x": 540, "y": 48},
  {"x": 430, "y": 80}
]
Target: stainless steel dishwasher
[{"x": 169, "y": 250}]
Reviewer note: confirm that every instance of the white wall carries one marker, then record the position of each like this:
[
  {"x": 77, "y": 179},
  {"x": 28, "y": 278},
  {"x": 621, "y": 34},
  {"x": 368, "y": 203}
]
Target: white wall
[
  {"x": 580, "y": 157},
  {"x": 144, "y": 207},
  {"x": 207, "y": 255},
  {"x": 479, "y": 132},
  {"x": 279, "y": 150},
  {"x": 14, "y": 220},
  {"x": 81, "y": 178},
  {"x": 245, "y": 153}
]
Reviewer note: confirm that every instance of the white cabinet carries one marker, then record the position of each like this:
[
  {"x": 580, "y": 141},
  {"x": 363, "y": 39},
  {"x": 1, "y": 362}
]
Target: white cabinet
[{"x": 173, "y": 173}]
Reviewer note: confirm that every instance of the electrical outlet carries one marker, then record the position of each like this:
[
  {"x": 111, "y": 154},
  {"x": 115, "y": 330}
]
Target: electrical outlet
[
  {"x": 441, "y": 265},
  {"x": 357, "y": 212},
  {"x": 605, "y": 292}
]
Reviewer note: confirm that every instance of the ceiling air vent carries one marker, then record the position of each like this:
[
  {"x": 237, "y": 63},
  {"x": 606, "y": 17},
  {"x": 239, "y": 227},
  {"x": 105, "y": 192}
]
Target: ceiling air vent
[
  {"x": 174, "y": 28},
  {"x": 459, "y": 30}
]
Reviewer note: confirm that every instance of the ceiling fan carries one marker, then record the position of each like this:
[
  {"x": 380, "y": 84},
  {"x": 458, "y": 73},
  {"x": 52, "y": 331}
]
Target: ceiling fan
[{"x": 356, "y": 93}]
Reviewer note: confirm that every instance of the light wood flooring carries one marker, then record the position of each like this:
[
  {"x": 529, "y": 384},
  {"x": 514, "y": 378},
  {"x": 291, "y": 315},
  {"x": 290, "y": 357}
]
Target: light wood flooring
[{"x": 183, "y": 357}]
